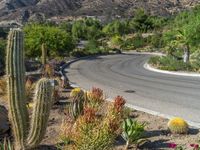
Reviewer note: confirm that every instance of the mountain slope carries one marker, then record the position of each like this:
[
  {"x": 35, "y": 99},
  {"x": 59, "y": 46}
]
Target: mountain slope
[{"x": 22, "y": 10}]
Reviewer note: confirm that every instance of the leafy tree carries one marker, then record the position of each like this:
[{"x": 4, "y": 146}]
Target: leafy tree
[
  {"x": 141, "y": 21},
  {"x": 116, "y": 28},
  {"x": 56, "y": 41},
  {"x": 78, "y": 29},
  {"x": 184, "y": 33}
]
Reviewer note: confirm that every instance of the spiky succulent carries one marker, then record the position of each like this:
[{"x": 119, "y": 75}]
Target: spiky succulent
[
  {"x": 178, "y": 126},
  {"x": 19, "y": 116}
]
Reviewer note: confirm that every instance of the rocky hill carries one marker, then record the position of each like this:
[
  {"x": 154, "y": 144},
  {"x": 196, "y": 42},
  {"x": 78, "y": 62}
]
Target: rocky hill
[{"x": 23, "y": 10}]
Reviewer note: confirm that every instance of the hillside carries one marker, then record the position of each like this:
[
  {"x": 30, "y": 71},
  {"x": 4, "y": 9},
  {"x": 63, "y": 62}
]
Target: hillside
[{"x": 23, "y": 10}]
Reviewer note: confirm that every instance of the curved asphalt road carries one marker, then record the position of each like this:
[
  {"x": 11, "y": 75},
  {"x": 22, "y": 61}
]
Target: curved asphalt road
[{"x": 124, "y": 74}]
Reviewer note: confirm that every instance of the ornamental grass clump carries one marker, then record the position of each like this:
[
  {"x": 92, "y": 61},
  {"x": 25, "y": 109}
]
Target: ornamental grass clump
[{"x": 178, "y": 126}]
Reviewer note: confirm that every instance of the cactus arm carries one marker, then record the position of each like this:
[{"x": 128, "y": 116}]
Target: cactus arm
[
  {"x": 16, "y": 90},
  {"x": 42, "y": 106}
]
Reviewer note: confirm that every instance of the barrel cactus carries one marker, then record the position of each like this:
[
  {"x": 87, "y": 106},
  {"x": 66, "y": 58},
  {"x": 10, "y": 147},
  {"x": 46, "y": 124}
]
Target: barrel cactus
[
  {"x": 19, "y": 116},
  {"x": 75, "y": 92},
  {"x": 178, "y": 126},
  {"x": 77, "y": 106}
]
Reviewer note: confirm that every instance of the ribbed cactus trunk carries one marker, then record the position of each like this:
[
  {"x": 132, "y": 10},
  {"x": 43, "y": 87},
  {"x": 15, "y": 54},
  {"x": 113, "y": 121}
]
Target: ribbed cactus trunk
[
  {"x": 18, "y": 112},
  {"x": 43, "y": 102},
  {"x": 16, "y": 87}
]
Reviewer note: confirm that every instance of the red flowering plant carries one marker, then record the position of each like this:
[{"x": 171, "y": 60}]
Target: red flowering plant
[
  {"x": 182, "y": 147},
  {"x": 195, "y": 146}
]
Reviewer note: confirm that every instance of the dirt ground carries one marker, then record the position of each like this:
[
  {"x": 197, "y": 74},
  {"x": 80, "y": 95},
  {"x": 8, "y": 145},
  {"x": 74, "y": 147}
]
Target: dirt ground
[{"x": 156, "y": 129}]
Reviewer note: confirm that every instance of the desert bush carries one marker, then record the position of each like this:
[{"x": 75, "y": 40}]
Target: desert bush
[
  {"x": 94, "y": 130},
  {"x": 177, "y": 125},
  {"x": 133, "y": 132},
  {"x": 95, "y": 98}
]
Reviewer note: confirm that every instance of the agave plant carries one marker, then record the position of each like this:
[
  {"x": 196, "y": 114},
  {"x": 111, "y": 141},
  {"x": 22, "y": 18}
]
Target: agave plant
[
  {"x": 6, "y": 145},
  {"x": 133, "y": 132}
]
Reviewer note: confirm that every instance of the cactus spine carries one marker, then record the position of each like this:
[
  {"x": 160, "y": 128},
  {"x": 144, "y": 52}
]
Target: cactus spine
[{"x": 18, "y": 112}]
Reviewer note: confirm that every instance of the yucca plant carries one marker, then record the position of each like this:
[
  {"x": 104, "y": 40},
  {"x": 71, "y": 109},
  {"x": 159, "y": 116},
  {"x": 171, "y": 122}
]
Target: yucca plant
[{"x": 133, "y": 132}]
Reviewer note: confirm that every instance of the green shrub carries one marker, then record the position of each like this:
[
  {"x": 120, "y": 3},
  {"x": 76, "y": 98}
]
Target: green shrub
[
  {"x": 79, "y": 53},
  {"x": 155, "y": 40},
  {"x": 133, "y": 43},
  {"x": 170, "y": 63}
]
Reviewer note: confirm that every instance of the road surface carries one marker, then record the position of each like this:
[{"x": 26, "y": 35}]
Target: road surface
[{"x": 124, "y": 74}]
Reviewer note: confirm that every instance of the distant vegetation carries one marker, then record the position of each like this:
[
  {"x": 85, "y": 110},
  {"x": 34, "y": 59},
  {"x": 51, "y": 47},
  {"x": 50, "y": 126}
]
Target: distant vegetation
[
  {"x": 176, "y": 36},
  {"x": 181, "y": 43}
]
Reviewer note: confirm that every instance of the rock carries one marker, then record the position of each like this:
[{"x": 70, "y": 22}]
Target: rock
[{"x": 4, "y": 123}]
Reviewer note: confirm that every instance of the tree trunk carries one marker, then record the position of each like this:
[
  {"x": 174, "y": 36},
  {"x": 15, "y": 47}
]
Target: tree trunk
[
  {"x": 44, "y": 54},
  {"x": 186, "y": 56}
]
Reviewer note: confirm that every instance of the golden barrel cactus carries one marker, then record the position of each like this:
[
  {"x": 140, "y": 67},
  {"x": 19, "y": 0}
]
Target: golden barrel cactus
[
  {"x": 76, "y": 92},
  {"x": 178, "y": 126}
]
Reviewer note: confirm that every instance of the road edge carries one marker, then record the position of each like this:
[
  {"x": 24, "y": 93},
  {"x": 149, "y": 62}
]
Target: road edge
[
  {"x": 148, "y": 111},
  {"x": 152, "y": 112},
  {"x": 186, "y": 74}
]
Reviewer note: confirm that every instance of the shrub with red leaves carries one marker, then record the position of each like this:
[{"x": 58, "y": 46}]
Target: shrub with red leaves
[
  {"x": 119, "y": 102},
  {"x": 89, "y": 114},
  {"x": 97, "y": 93}
]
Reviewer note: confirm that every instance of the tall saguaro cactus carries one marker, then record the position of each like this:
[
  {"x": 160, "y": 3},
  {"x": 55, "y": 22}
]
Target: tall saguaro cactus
[{"x": 17, "y": 102}]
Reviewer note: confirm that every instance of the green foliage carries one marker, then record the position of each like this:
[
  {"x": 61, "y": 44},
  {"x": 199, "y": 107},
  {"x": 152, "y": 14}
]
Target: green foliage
[
  {"x": 133, "y": 132},
  {"x": 57, "y": 41},
  {"x": 116, "y": 28},
  {"x": 183, "y": 32},
  {"x": 86, "y": 29},
  {"x": 172, "y": 64},
  {"x": 141, "y": 21},
  {"x": 6, "y": 145},
  {"x": 116, "y": 41},
  {"x": 92, "y": 46},
  {"x": 135, "y": 42},
  {"x": 155, "y": 40}
]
